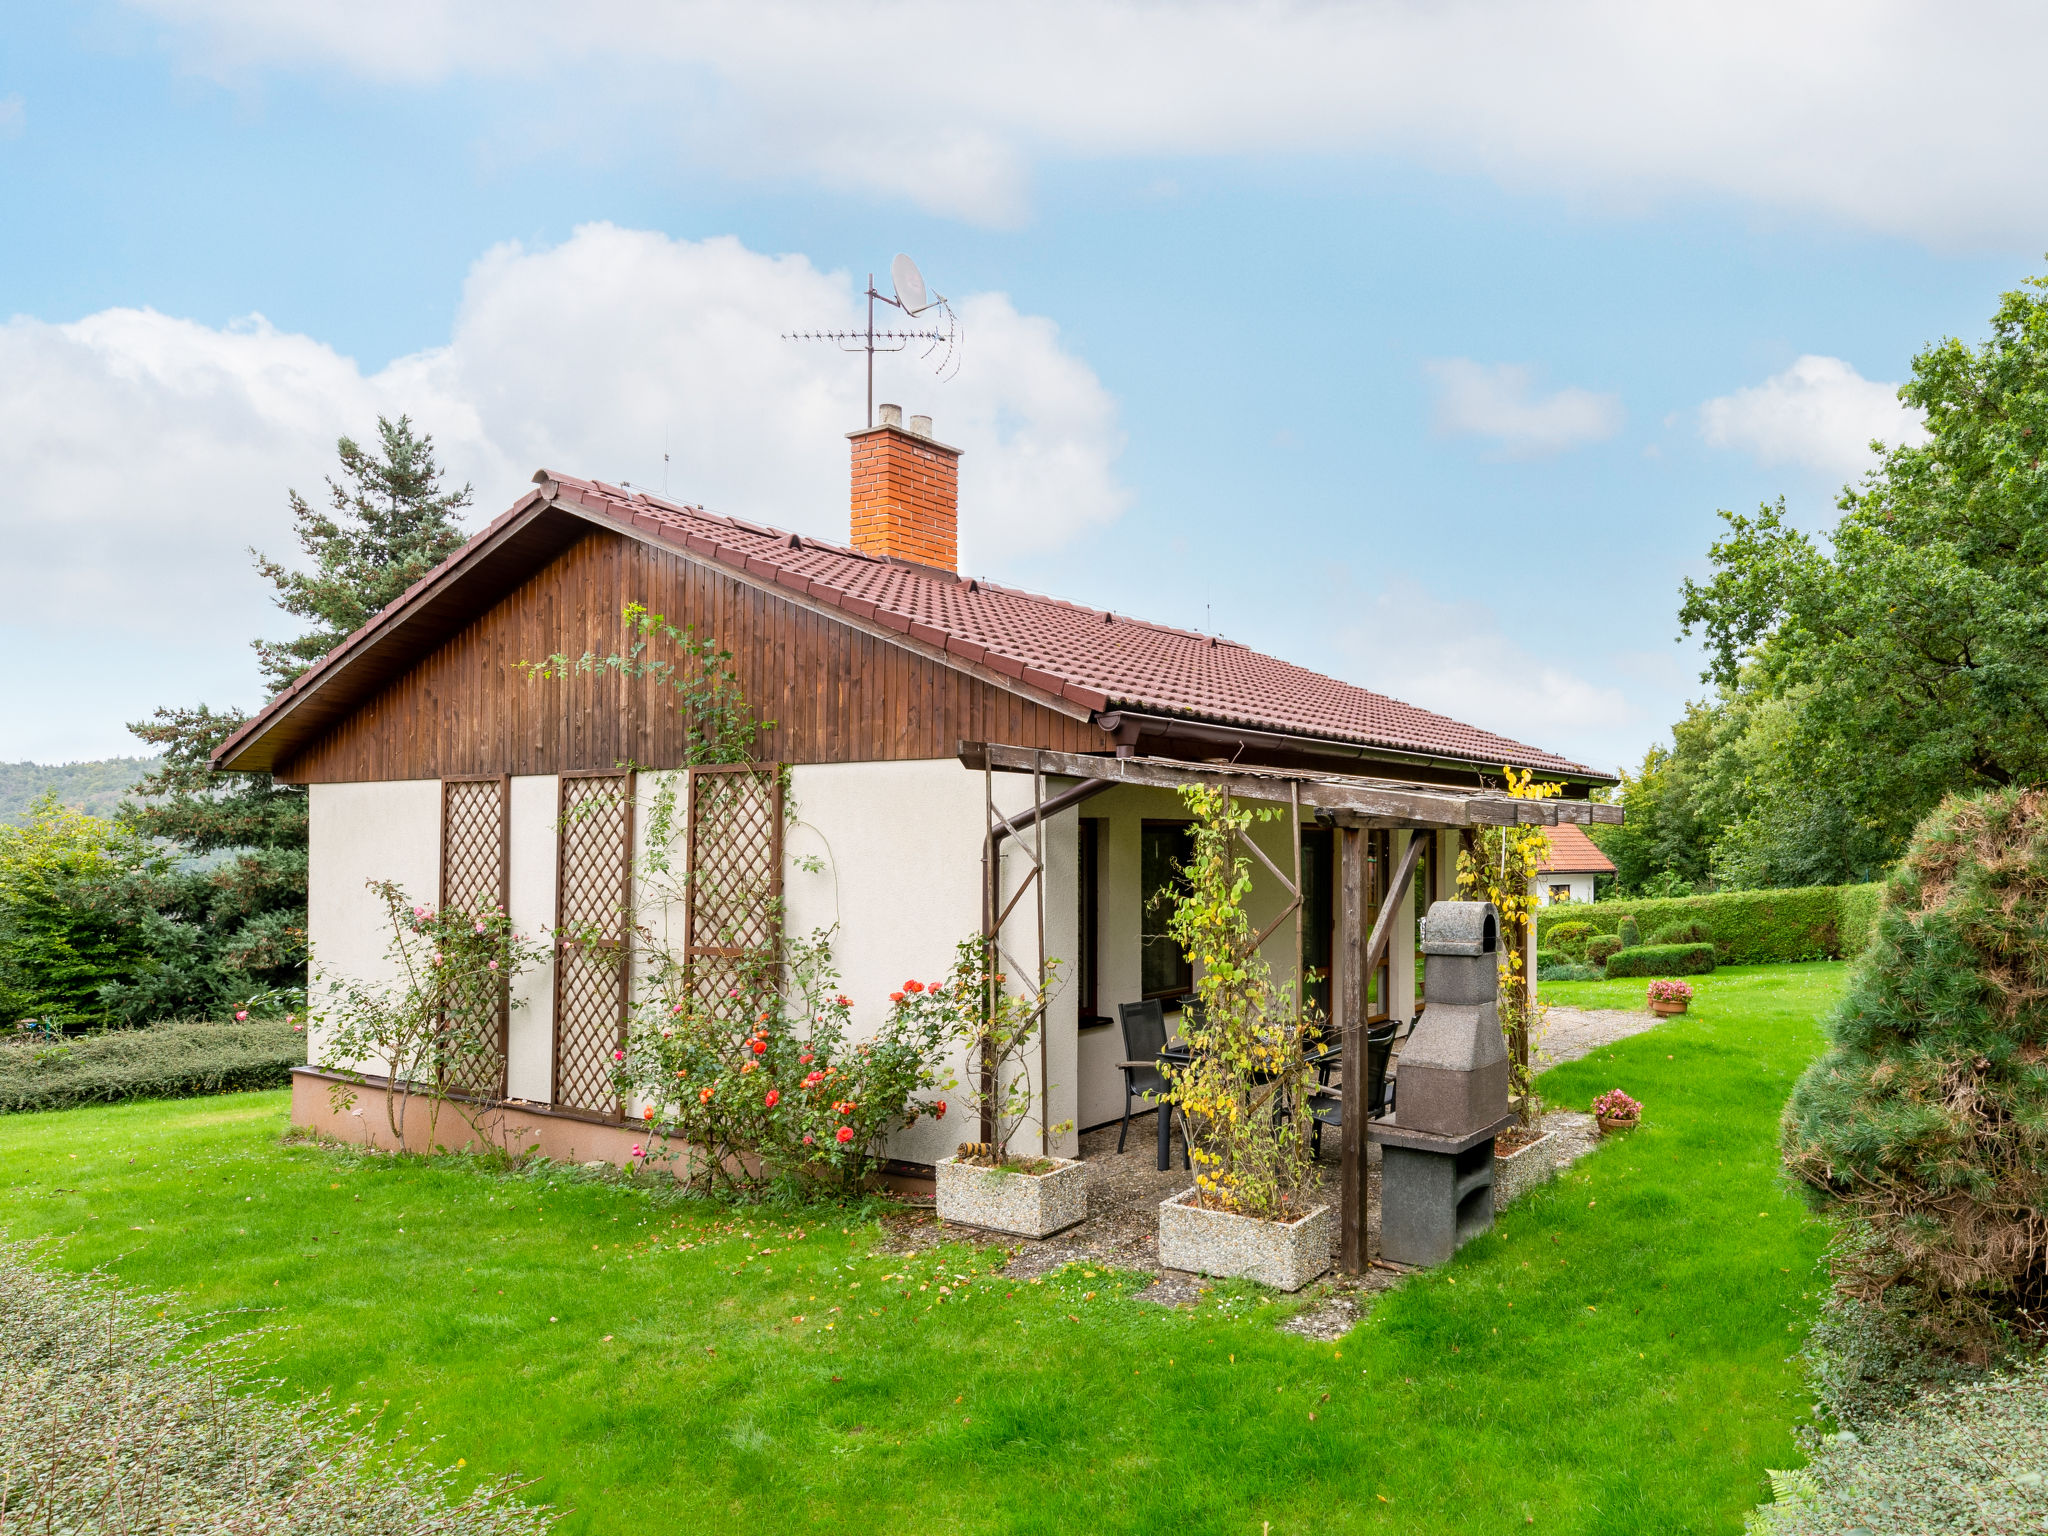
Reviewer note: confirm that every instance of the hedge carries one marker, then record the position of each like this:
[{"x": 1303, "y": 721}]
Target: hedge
[
  {"x": 1749, "y": 927},
  {"x": 1662, "y": 960},
  {"x": 161, "y": 1061}
]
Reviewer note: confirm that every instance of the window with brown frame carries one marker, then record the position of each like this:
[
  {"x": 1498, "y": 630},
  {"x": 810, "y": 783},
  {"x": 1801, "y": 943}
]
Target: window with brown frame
[
  {"x": 1088, "y": 914},
  {"x": 1318, "y": 917},
  {"x": 1165, "y": 847}
]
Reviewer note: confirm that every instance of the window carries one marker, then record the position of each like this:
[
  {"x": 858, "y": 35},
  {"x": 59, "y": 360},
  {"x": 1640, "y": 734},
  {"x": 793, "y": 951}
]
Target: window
[
  {"x": 1422, "y": 893},
  {"x": 1560, "y": 893},
  {"x": 1164, "y": 850},
  {"x": 1318, "y": 916},
  {"x": 1088, "y": 912}
]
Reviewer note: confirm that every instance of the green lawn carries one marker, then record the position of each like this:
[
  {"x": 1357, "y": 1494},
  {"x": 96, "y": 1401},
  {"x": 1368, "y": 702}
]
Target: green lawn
[{"x": 1615, "y": 1357}]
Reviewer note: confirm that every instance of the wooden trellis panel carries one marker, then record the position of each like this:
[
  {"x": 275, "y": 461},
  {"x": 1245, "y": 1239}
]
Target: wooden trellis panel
[
  {"x": 593, "y": 924},
  {"x": 733, "y": 899},
  {"x": 476, "y": 869}
]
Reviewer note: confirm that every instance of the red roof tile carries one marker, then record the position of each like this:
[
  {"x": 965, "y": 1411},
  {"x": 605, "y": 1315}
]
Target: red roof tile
[
  {"x": 1574, "y": 853},
  {"x": 1096, "y": 659}
]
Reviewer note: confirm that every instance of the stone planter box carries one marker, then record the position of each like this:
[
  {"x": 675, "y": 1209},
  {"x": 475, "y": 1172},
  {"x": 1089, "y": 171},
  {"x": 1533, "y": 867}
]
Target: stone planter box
[
  {"x": 1283, "y": 1254},
  {"x": 1003, "y": 1200},
  {"x": 1502, "y": 1159}
]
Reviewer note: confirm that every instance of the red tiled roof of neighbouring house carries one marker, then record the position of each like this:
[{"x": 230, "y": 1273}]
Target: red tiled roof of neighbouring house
[
  {"x": 1101, "y": 661},
  {"x": 1574, "y": 853}
]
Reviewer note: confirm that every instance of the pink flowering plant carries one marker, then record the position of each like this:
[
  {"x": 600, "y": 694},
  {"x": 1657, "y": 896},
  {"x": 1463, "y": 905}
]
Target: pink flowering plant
[
  {"x": 1616, "y": 1105},
  {"x": 1670, "y": 991},
  {"x": 432, "y": 1031},
  {"x": 766, "y": 1081}
]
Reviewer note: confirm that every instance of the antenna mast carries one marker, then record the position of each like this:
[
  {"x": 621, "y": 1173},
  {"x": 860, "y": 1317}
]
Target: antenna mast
[{"x": 911, "y": 298}]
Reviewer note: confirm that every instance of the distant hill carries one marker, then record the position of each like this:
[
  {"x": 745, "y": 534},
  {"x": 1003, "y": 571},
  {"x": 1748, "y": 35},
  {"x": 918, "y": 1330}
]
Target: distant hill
[{"x": 97, "y": 788}]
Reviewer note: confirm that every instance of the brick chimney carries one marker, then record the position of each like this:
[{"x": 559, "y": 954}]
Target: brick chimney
[{"x": 906, "y": 493}]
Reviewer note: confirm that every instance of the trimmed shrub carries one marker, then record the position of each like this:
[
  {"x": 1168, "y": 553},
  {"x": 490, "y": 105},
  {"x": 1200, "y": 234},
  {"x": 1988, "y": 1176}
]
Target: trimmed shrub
[
  {"x": 1856, "y": 918},
  {"x": 1662, "y": 960},
  {"x": 1600, "y": 948},
  {"x": 1749, "y": 927},
  {"x": 114, "y": 1417},
  {"x": 1691, "y": 931},
  {"x": 1628, "y": 931},
  {"x": 161, "y": 1061},
  {"x": 1551, "y": 957},
  {"x": 1568, "y": 972},
  {"x": 1569, "y": 937},
  {"x": 1926, "y": 1120}
]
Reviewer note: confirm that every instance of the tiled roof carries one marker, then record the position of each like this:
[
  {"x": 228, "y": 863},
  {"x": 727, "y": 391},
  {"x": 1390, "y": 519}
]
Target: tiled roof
[
  {"x": 1101, "y": 660},
  {"x": 1574, "y": 853}
]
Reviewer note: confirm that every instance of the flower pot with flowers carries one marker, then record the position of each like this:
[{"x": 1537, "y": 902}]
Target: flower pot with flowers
[
  {"x": 1670, "y": 996},
  {"x": 1616, "y": 1111},
  {"x": 990, "y": 1183},
  {"x": 1243, "y": 1092}
]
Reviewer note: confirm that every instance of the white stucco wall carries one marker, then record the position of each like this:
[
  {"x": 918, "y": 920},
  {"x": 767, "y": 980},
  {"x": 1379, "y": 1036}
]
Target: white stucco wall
[
  {"x": 358, "y": 833},
  {"x": 530, "y": 1037},
  {"x": 897, "y": 855},
  {"x": 1582, "y": 886}
]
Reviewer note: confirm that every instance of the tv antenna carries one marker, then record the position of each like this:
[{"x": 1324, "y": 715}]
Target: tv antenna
[{"x": 913, "y": 299}]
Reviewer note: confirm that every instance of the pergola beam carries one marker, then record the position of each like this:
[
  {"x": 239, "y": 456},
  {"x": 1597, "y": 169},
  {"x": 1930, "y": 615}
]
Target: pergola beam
[{"x": 1349, "y": 799}]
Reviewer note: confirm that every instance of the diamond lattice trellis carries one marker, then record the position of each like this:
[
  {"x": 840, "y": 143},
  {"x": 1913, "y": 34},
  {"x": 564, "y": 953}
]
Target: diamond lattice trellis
[
  {"x": 473, "y": 875},
  {"x": 734, "y": 918},
  {"x": 593, "y": 929}
]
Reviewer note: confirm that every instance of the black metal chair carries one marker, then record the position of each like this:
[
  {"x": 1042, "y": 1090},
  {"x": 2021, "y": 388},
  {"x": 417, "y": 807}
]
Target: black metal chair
[
  {"x": 1326, "y": 1105},
  {"x": 1144, "y": 1027}
]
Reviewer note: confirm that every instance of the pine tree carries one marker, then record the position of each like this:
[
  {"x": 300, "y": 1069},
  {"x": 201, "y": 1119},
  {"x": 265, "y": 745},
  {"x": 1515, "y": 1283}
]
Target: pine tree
[
  {"x": 1926, "y": 1120},
  {"x": 384, "y": 529}
]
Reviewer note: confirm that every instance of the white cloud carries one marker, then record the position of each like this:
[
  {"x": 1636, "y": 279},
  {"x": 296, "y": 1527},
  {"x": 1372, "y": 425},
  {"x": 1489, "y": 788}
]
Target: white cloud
[
  {"x": 1909, "y": 119},
  {"x": 1820, "y": 412},
  {"x": 1500, "y": 401},
  {"x": 1466, "y": 660},
  {"x": 145, "y": 452}
]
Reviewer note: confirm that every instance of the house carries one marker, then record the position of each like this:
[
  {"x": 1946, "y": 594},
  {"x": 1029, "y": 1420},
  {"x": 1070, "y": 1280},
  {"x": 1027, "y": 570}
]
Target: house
[
  {"x": 959, "y": 755},
  {"x": 1567, "y": 872}
]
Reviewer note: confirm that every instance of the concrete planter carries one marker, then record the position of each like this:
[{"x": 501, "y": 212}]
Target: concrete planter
[
  {"x": 1283, "y": 1254},
  {"x": 1503, "y": 1159},
  {"x": 1022, "y": 1204}
]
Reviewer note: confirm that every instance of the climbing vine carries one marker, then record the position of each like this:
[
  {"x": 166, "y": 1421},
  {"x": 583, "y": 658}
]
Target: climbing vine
[{"x": 1499, "y": 864}]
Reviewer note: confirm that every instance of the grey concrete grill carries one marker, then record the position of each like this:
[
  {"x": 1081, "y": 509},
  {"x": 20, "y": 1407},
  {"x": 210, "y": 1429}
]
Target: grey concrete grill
[{"x": 1436, "y": 1172}]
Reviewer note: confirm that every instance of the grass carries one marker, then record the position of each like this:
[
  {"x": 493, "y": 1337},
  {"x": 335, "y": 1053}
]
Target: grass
[{"x": 1615, "y": 1357}]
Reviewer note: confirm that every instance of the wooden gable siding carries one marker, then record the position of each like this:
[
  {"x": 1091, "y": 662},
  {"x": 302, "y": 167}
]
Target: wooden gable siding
[{"x": 836, "y": 693}]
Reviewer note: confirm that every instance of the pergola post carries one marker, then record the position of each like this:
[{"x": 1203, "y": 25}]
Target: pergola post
[{"x": 1354, "y": 985}]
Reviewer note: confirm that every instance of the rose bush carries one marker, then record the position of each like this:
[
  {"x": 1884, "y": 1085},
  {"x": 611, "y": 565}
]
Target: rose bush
[{"x": 765, "y": 1082}]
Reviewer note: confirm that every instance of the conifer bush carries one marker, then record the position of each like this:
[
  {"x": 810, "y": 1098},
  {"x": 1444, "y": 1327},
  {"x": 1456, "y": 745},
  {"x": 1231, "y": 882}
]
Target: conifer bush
[
  {"x": 1926, "y": 1120},
  {"x": 1629, "y": 934}
]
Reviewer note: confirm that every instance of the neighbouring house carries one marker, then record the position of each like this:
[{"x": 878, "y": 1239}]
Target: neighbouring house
[
  {"x": 1568, "y": 871},
  {"x": 959, "y": 755}
]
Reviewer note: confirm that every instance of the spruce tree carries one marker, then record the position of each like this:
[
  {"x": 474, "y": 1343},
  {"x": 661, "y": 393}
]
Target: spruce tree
[
  {"x": 1925, "y": 1122},
  {"x": 384, "y": 528},
  {"x": 236, "y": 909}
]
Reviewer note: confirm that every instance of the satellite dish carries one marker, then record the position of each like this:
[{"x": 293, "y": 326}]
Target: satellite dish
[{"x": 909, "y": 283}]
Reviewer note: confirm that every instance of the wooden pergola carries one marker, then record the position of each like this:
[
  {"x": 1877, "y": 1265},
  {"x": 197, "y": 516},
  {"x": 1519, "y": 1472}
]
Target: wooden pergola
[{"x": 1352, "y": 804}]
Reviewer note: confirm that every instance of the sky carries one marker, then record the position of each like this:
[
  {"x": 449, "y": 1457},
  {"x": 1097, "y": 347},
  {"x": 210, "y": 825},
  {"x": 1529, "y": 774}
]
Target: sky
[{"x": 1418, "y": 344}]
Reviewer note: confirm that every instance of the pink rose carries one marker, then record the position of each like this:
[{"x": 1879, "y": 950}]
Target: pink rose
[{"x": 241, "y": 1015}]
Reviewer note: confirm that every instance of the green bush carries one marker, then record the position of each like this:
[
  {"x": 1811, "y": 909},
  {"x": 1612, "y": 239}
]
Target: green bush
[
  {"x": 1749, "y": 927},
  {"x": 1925, "y": 1123},
  {"x": 1857, "y": 918},
  {"x": 1568, "y": 972},
  {"x": 1691, "y": 931},
  {"x": 1569, "y": 937},
  {"x": 1600, "y": 948},
  {"x": 1628, "y": 931},
  {"x": 1662, "y": 960},
  {"x": 1551, "y": 957},
  {"x": 162, "y": 1061}
]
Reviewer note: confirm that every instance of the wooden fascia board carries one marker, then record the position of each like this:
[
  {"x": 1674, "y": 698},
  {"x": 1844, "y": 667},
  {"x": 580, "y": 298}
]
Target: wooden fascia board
[
  {"x": 280, "y": 710},
  {"x": 762, "y": 581},
  {"x": 1360, "y": 802}
]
